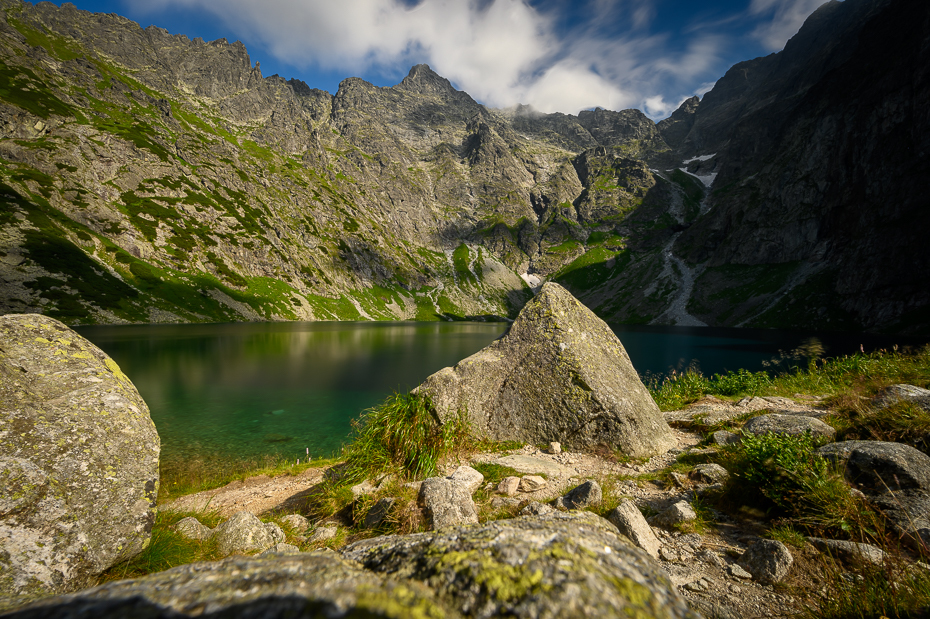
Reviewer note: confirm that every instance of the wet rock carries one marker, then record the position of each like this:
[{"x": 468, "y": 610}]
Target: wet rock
[
  {"x": 559, "y": 373},
  {"x": 191, "y": 528},
  {"x": 379, "y": 512},
  {"x": 469, "y": 477},
  {"x": 587, "y": 494},
  {"x": 274, "y": 586},
  {"x": 767, "y": 560},
  {"x": 447, "y": 503},
  {"x": 78, "y": 460},
  {"x": 791, "y": 425},
  {"x": 630, "y": 521},
  {"x": 509, "y": 485},
  {"x": 709, "y": 474},
  {"x": 243, "y": 533},
  {"x": 560, "y": 565},
  {"x": 532, "y": 483},
  {"x": 677, "y": 513},
  {"x": 852, "y": 552}
]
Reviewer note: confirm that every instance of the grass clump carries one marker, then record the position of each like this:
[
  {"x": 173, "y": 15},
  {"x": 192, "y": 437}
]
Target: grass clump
[
  {"x": 892, "y": 591},
  {"x": 403, "y": 435},
  {"x": 845, "y": 380},
  {"x": 781, "y": 475},
  {"x": 168, "y": 548}
]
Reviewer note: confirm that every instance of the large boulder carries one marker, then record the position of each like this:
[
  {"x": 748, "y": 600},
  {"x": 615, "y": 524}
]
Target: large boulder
[
  {"x": 894, "y": 477},
  {"x": 561, "y": 565},
  {"x": 78, "y": 460},
  {"x": 559, "y": 374}
]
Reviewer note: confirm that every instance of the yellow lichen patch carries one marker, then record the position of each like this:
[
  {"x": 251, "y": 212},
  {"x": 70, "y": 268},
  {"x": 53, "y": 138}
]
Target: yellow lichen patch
[
  {"x": 82, "y": 355},
  {"x": 42, "y": 340},
  {"x": 113, "y": 367},
  {"x": 504, "y": 582},
  {"x": 399, "y": 602}
]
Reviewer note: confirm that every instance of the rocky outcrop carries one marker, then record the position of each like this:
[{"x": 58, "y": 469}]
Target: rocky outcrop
[
  {"x": 78, "y": 460},
  {"x": 560, "y": 565},
  {"x": 894, "y": 477},
  {"x": 559, "y": 374},
  {"x": 790, "y": 425}
]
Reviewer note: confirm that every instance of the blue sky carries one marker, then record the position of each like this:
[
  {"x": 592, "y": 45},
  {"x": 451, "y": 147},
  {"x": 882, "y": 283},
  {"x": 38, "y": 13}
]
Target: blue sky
[{"x": 556, "y": 55}]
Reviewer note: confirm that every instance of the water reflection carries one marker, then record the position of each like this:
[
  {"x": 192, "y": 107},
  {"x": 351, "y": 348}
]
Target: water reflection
[{"x": 247, "y": 390}]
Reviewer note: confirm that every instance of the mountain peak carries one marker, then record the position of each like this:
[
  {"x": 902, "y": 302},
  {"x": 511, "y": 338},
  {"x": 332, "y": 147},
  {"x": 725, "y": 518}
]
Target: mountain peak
[{"x": 424, "y": 80}]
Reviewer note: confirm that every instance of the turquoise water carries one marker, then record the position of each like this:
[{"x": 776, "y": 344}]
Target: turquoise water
[{"x": 243, "y": 390}]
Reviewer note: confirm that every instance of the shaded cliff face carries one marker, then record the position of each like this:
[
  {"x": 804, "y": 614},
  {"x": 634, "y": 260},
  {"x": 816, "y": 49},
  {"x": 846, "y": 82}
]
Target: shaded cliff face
[
  {"x": 822, "y": 163},
  {"x": 148, "y": 177}
]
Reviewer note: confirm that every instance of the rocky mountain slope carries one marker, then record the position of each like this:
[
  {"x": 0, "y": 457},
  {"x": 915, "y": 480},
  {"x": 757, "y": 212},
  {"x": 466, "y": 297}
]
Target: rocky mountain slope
[{"x": 148, "y": 177}]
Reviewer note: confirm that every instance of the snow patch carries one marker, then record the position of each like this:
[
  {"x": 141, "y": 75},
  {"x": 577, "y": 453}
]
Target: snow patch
[
  {"x": 533, "y": 281},
  {"x": 701, "y": 158},
  {"x": 707, "y": 179}
]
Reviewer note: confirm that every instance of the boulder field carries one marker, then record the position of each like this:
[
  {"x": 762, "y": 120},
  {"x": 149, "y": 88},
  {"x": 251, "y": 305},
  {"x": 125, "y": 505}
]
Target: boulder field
[{"x": 78, "y": 460}]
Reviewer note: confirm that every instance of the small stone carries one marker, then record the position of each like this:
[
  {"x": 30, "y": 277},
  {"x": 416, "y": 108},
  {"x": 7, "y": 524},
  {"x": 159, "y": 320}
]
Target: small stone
[
  {"x": 243, "y": 533},
  {"x": 697, "y": 586},
  {"x": 468, "y": 476},
  {"x": 676, "y": 514},
  {"x": 849, "y": 551},
  {"x": 555, "y": 448},
  {"x": 500, "y": 502},
  {"x": 722, "y": 438},
  {"x": 323, "y": 534},
  {"x": 678, "y": 480},
  {"x": 447, "y": 503},
  {"x": 767, "y": 560},
  {"x": 709, "y": 473},
  {"x": 587, "y": 494},
  {"x": 790, "y": 425},
  {"x": 191, "y": 528},
  {"x": 379, "y": 512},
  {"x": 534, "y": 508},
  {"x": 363, "y": 488},
  {"x": 281, "y": 549},
  {"x": 630, "y": 521},
  {"x": 737, "y": 572},
  {"x": 532, "y": 483},
  {"x": 508, "y": 486},
  {"x": 276, "y": 533},
  {"x": 668, "y": 554},
  {"x": 296, "y": 522}
]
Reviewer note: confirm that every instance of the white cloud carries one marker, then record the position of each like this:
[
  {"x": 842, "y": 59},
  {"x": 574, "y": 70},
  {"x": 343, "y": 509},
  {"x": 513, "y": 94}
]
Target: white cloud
[
  {"x": 502, "y": 52},
  {"x": 787, "y": 17}
]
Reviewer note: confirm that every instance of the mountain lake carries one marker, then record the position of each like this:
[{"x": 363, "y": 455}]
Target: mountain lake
[{"x": 252, "y": 390}]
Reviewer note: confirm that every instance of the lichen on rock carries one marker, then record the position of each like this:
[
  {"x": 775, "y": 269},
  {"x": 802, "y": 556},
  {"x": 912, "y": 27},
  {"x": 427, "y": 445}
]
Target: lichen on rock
[
  {"x": 559, "y": 374},
  {"x": 79, "y": 470}
]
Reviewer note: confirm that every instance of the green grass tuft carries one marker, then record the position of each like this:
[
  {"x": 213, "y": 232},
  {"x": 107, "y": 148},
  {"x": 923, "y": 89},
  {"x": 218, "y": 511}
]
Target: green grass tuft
[{"x": 403, "y": 435}]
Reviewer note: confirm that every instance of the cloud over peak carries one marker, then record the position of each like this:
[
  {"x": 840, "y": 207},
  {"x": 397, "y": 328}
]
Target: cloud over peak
[{"x": 553, "y": 55}]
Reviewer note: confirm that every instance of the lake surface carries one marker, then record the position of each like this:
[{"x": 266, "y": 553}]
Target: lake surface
[{"x": 246, "y": 390}]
